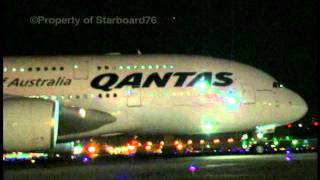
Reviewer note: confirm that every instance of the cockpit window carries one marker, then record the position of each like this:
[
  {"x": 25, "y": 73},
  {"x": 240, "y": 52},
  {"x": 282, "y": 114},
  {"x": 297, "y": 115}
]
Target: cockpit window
[{"x": 277, "y": 85}]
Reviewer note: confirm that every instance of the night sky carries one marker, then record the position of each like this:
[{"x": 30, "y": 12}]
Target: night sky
[{"x": 278, "y": 37}]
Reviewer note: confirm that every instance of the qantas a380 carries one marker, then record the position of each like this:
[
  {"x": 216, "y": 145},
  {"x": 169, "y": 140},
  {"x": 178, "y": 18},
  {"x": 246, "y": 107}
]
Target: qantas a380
[{"x": 64, "y": 98}]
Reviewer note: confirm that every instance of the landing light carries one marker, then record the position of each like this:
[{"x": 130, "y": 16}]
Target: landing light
[{"x": 82, "y": 112}]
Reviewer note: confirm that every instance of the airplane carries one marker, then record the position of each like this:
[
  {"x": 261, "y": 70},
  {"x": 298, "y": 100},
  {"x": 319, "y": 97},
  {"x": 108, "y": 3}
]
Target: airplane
[{"x": 55, "y": 99}]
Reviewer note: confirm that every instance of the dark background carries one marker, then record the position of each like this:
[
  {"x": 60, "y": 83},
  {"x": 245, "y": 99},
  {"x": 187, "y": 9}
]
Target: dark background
[{"x": 278, "y": 37}]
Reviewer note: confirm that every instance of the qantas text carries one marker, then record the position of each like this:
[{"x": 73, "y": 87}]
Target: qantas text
[{"x": 108, "y": 81}]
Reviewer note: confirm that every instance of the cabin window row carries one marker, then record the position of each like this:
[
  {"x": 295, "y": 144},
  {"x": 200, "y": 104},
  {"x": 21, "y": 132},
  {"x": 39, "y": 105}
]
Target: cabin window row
[
  {"x": 84, "y": 96},
  {"x": 30, "y": 69},
  {"x": 157, "y": 66}
]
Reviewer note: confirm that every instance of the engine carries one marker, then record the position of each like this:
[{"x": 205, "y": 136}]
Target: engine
[{"x": 30, "y": 124}]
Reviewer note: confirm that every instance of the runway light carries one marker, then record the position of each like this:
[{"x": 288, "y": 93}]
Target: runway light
[
  {"x": 288, "y": 158},
  {"x": 288, "y": 138},
  {"x": 275, "y": 141},
  {"x": 108, "y": 149},
  {"x": 244, "y": 137},
  {"x": 179, "y": 147},
  {"x": 288, "y": 152},
  {"x": 33, "y": 161},
  {"x": 149, "y": 143},
  {"x": 300, "y": 125},
  {"x": 193, "y": 168},
  {"x": 230, "y": 140},
  {"x": 295, "y": 142},
  {"x": 216, "y": 141},
  {"x": 77, "y": 149},
  {"x": 259, "y": 135},
  {"x": 85, "y": 159},
  {"x": 244, "y": 144},
  {"x": 148, "y": 148},
  {"x": 91, "y": 149},
  {"x": 176, "y": 142}
]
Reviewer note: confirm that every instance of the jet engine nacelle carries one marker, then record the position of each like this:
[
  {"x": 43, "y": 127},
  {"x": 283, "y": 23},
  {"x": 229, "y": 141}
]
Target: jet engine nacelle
[{"x": 29, "y": 124}]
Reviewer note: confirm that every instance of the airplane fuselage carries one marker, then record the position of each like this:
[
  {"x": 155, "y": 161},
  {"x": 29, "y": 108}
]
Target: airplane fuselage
[{"x": 158, "y": 94}]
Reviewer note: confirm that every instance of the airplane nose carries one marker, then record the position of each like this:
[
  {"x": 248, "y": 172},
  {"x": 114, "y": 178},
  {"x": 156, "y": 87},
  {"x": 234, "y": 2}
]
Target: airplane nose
[
  {"x": 302, "y": 106},
  {"x": 299, "y": 106}
]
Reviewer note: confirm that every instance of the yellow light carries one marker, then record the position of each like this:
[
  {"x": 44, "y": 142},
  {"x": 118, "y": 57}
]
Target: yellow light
[
  {"x": 216, "y": 141},
  {"x": 189, "y": 141},
  {"x": 149, "y": 143},
  {"x": 201, "y": 141},
  {"x": 230, "y": 140},
  {"x": 282, "y": 149},
  {"x": 109, "y": 149},
  {"x": 130, "y": 147},
  {"x": 179, "y": 147},
  {"x": 148, "y": 148},
  {"x": 176, "y": 142},
  {"x": 161, "y": 143}
]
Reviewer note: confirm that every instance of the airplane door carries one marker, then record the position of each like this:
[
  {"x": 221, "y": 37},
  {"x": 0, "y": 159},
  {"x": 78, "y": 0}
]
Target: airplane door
[
  {"x": 80, "y": 69},
  {"x": 248, "y": 94},
  {"x": 133, "y": 97}
]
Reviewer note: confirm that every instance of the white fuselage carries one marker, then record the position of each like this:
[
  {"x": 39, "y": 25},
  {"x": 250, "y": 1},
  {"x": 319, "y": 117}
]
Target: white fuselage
[{"x": 249, "y": 101}]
